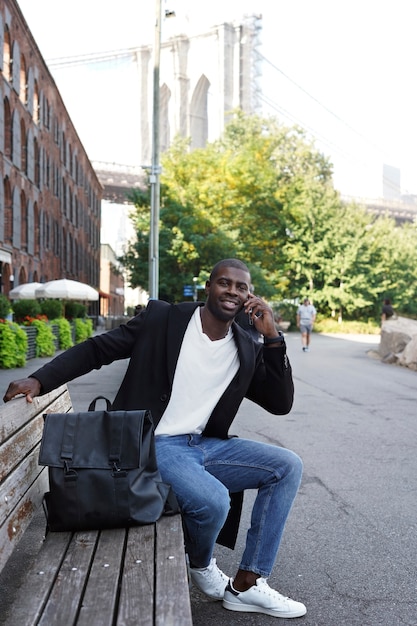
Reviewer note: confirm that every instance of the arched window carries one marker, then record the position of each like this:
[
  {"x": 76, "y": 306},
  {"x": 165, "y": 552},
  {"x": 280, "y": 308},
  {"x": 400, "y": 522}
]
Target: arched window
[
  {"x": 71, "y": 206},
  {"x": 8, "y": 212},
  {"x": 64, "y": 198},
  {"x": 37, "y": 157},
  {"x": 23, "y": 222},
  {"x": 7, "y": 55},
  {"x": 23, "y": 93},
  {"x": 47, "y": 114},
  {"x": 8, "y": 130},
  {"x": 70, "y": 159},
  {"x": 47, "y": 172},
  {"x": 64, "y": 248},
  {"x": 35, "y": 112},
  {"x": 22, "y": 276},
  {"x": 37, "y": 229},
  {"x": 24, "y": 147}
]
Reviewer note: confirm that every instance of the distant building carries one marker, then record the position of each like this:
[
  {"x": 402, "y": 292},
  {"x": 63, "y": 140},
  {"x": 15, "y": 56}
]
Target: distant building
[
  {"x": 111, "y": 283},
  {"x": 50, "y": 196},
  {"x": 391, "y": 185}
]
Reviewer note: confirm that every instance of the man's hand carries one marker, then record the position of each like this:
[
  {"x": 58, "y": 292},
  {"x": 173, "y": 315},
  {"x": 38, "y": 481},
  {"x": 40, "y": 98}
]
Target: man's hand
[
  {"x": 261, "y": 315},
  {"x": 29, "y": 387}
]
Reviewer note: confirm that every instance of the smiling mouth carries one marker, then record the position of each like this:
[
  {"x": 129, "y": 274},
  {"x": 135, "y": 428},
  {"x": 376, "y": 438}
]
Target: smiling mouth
[{"x": 230, "y": 304}]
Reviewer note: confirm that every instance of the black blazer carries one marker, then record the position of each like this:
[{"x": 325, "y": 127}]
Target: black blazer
[{"x": 152, "y": 341}]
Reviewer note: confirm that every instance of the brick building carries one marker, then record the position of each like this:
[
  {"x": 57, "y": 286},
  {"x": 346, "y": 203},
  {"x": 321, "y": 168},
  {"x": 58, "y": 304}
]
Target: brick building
[{"x": 50, "y": 196}]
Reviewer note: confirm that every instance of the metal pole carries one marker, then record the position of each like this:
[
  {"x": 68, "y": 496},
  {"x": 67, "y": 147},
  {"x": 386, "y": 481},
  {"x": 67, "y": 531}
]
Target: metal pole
[{"x": 155, "y": 166}]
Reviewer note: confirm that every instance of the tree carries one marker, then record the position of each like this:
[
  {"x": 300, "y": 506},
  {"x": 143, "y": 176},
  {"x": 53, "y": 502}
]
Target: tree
[
  {"x": 224, "y": 200},
  {"x": 264, "y": 193}
]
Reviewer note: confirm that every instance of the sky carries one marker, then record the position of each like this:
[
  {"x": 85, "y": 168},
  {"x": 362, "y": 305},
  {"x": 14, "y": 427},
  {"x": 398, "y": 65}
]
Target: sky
[{"x": 343, "y": 70}]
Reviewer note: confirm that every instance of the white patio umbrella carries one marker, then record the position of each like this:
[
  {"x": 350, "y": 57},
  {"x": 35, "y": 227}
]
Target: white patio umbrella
[
  {"x": 65, "y": 289},
  {"x": 25, "y": 291}
]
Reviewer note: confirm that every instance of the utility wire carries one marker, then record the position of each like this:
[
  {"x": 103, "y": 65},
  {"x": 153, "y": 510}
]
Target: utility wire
[
  {"x": 323, "y": 106},
  {"x": 114, "y": 55}
]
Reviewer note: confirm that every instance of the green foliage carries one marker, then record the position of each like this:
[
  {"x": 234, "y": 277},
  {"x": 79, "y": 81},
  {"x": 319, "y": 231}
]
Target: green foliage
[
  {"x": 45, "y": 345},
  {"x": 64, "y": 333},
  {"x": 264, "y": 193},
  {"x": 75, "y": 310},
  {"x": 331, "y": 325},
  {"x": 83, "y": 329},
  {"x": 26, "y": 308},
  {"x": 5, "y": 307},
  {"x": 13, "y": 345},
  {"x": 52, "y": 309}
]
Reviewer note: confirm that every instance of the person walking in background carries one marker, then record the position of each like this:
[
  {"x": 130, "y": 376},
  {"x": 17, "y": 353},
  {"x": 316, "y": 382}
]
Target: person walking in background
[{"x": 306, "y": 316}]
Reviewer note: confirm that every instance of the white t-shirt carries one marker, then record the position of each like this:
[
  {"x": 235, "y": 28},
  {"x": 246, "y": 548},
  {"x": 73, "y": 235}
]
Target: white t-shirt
[{"x": 204, "y": 370}]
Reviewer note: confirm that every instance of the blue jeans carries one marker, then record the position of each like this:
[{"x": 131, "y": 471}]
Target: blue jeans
[{"x": 202, "y": 472}]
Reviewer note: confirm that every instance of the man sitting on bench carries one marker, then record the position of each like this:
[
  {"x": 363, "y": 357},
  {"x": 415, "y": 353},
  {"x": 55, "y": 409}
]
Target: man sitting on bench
[{"x": 191, "y": 365}]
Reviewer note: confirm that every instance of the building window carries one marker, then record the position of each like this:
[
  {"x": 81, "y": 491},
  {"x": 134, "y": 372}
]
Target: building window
[
  {"x": 37, "y": 233},
  {"x": 35, "y": 112},
  {"x": 23, "y": 93},
  {"x": 7, "y": 55},
  {"x": 23, "y": 222},
  {"x": 8, "y": 130},
  {"x": 37, "y": 156},
  {"x": 24, "y": 147},
  {"x": 8, "y": 212}
]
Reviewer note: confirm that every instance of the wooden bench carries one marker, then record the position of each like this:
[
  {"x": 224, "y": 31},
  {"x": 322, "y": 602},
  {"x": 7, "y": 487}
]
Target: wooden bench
[{"x": 113, "y": 577}]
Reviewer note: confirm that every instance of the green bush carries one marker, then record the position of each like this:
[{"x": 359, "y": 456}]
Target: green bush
[
  {"x": 65, "y": 332},
  {"x": 26, "y": 308},
  {"x": 331, "y": 325},
  {"x": 13, "y": 345},
  {"x": 45, "y": 345},
  {"x": 52, "y": 309},
  {"x": 5, "y": 307},
  {"x": 83, "y": 329},
  {"x": 75, "y": 310}
]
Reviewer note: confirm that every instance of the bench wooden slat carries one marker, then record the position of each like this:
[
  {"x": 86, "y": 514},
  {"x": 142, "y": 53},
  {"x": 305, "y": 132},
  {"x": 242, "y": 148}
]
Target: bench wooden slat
[
  {"x": 16, "y": 447},
  {"x": 18, "y": 482},
  {"x": 62, "y": 605},
  {"x": 137, "y": 593},
  {"x": 16, "y": 523},
  {"x": 172, "y": 603},
  {"x": 101, "y": 595},
  {"x": 38, "y": 582},
  {"x": 18, "y": 412}
]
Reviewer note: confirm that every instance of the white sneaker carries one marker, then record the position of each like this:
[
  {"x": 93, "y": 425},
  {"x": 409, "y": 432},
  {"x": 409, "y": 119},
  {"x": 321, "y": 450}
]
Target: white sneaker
[
  {"x": 210, "y": 580},
  {"x": 262, "y": 599}
]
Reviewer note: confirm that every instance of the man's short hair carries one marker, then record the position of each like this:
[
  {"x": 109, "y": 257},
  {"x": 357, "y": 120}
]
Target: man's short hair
[{"x": 228, "y": 263}]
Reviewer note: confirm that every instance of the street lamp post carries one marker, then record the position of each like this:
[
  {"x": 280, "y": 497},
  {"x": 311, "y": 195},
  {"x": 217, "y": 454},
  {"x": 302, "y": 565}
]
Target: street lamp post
[{"x": 155, "y": 166}]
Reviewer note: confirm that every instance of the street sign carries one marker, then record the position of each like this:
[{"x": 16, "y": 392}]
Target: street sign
[{"x": 188, "y": 290}]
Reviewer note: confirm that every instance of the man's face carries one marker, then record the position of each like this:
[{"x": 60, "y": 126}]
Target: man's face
[{"x": 227, "y": 292}]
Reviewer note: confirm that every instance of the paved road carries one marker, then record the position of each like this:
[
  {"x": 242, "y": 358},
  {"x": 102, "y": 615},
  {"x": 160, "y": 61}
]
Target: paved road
[{"x": 349, "y": 550}]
